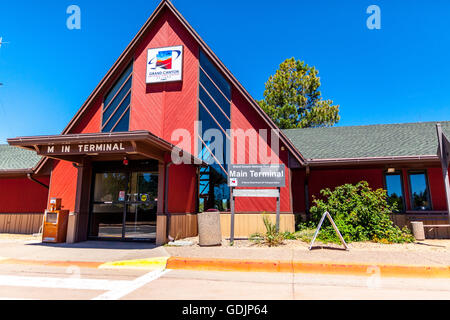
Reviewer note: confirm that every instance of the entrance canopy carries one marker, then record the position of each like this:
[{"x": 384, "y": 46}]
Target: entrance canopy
[{"x": 103, "y": 147}]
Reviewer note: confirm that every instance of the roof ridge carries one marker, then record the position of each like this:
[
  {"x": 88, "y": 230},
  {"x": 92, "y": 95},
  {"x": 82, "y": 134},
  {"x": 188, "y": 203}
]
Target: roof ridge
[
  {"x": 127, "y": 55},
  {"x": 371, "y": 125}
]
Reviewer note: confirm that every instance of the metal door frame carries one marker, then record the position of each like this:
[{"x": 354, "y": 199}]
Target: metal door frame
[{"x": 128, "y": 171}]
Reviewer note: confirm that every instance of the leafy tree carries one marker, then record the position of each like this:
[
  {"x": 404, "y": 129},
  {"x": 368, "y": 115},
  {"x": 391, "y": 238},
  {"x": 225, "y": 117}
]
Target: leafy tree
[{"x": 293, "y": 100}]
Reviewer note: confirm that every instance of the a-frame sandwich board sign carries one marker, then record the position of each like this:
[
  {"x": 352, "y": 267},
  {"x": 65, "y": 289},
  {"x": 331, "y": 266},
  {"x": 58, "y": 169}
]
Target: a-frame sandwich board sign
[{"x": 327, "y": 214}]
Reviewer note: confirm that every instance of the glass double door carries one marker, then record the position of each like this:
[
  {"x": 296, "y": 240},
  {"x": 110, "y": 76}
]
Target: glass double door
[{"x": 124, "y": 205}]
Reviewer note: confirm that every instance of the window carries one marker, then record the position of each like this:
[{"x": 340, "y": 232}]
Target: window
[
  {"x": 394, "y": 187},
  {"x": 419, "y": 191},
  {"x": 116, "y": 107},
  {"x": 214, "y": 113}
]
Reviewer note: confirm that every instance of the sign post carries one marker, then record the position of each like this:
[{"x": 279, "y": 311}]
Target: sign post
[
  {"x": 232, "y": 217},
  {"x": 255, "y": 176}
]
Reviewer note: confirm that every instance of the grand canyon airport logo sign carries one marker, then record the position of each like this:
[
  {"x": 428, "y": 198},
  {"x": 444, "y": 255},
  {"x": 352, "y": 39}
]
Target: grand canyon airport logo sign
[{"x": 165, "y": 64}]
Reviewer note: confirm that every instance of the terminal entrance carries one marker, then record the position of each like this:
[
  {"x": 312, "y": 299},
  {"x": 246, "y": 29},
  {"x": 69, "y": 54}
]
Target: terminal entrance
[{"x": 124, "y": 201}]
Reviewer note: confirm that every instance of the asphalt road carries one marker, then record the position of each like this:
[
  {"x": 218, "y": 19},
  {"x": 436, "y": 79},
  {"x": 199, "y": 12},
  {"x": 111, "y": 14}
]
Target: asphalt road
[{"x": 36, "y": 282}]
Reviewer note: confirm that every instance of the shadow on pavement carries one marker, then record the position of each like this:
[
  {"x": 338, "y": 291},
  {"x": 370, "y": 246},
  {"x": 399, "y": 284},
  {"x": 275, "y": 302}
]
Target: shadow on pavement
[
  {"x": 430, "y": 245},
  {"x": 327, "y": 248},
  {"x": 112, "y": 245}
]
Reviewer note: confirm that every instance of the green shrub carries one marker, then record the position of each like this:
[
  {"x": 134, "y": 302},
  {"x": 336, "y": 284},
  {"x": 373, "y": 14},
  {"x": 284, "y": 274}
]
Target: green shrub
[
  {"x": 360, "y": 213},
  {"x": 289, "y": 235}
]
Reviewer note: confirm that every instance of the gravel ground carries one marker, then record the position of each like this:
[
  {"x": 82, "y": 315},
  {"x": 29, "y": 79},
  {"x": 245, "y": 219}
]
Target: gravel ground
[
  {"x": 427, "y": 253},
  {"x": 427, "y": 245},
  {"x": 423, "y": 246}
]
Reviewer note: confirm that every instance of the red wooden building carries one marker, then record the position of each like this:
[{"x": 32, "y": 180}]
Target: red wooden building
[{"x": 115, "y": 165}]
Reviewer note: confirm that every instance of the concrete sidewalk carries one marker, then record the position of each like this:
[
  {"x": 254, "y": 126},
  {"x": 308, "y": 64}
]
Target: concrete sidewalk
[
  {"x": 89, "y": 251},
  {"x": 430, "y": 258}
]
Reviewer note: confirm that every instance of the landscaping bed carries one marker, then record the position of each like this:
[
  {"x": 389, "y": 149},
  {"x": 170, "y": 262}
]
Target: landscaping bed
[{"x": 427, "y": 245}]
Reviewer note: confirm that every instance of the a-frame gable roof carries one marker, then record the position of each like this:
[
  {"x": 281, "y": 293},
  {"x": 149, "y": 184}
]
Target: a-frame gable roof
[{"x": 127, "y": 56}]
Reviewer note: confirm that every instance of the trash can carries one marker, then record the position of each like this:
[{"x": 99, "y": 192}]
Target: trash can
[
  {"x": 209, "y": 231},
  {"x": 418, "y": 230}
]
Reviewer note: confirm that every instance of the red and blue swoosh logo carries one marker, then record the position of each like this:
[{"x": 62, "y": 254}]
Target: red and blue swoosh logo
[{"x": 165, "y": 58}]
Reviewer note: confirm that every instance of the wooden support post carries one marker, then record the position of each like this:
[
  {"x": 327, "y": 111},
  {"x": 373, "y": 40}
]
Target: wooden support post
[
  {"x": 307, "y": 173},
  {"x": 161, "y": 218},
  {"x": 443, "y": 155}
]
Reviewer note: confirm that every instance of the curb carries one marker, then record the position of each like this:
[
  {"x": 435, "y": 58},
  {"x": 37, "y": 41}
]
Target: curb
[
  {"x": 148, "y": 264},
  {"x": 384, "y": 270},
  {"x": 235, "y": 265},
  {"x": 80, "y": 264}
]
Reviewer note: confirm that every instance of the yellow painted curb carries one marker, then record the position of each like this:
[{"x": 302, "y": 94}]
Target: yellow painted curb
[{"x": 153, "y": 263}]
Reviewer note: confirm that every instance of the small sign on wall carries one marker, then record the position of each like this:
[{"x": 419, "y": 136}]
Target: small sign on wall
[{"x": 165, "y": 64}]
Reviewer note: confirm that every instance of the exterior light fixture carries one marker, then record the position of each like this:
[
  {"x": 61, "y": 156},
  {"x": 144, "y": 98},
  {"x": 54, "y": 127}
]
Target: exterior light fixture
[
  {"x": 391, "y": 170},
  {"x": 125, "y": 161}
]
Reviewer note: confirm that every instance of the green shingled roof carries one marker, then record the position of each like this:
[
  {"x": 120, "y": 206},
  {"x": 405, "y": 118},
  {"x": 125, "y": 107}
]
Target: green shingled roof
[
  {"x": 13, "y": 158},
  {"x": 387, "y": 140}
]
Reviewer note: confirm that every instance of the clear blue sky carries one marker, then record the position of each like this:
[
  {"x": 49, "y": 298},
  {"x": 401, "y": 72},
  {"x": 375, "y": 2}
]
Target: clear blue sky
[{"x": 397, "y": 74}]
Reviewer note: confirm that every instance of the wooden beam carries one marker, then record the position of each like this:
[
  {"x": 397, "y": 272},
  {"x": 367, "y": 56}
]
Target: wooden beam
[
  {"x": 147, "y": 151},
  {"x": 444, "y": 163}
]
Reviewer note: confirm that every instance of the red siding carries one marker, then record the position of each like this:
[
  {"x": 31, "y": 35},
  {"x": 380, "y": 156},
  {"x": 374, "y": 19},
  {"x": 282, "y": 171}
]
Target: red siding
[
  {"x": 182, "y": 189},
  {"x": 244, "y": 117},
  {"x": 23, "y": 195},
  {"x": 163, "y": 108},
  {"x": 321, "y": 179},
  {"x": 437, "y": 189},
  {"x": 64, "y": 184},
  {"x": 298, "y": 190},
  {"x": 91, "y": 121},
  {"x": 64, "y": 175}
]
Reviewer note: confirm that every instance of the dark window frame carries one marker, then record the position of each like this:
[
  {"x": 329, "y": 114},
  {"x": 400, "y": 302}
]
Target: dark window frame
[
  {"x": 217, "y": 101},
  {"x": 395, "y": 173},
  {"x": 427, "y": 181},
  {"x": 104, "y": 123}
]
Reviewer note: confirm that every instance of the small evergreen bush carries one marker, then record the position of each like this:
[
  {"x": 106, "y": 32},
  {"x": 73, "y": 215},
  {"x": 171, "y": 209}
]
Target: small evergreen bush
[{"x": 360, "y": 213}]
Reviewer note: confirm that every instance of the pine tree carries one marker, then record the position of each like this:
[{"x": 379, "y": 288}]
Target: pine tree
[{"x": 293, "y": 100}]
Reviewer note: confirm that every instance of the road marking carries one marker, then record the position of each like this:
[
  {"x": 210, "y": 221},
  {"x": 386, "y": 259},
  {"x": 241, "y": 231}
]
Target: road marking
[
  {"x": 149, "y": 264},
  {"x": 120, "y": 292},
  {"x": 63, "y": 283}
]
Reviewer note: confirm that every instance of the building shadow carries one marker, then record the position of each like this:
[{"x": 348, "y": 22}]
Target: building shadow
[{"x": 94, "y": 244}]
